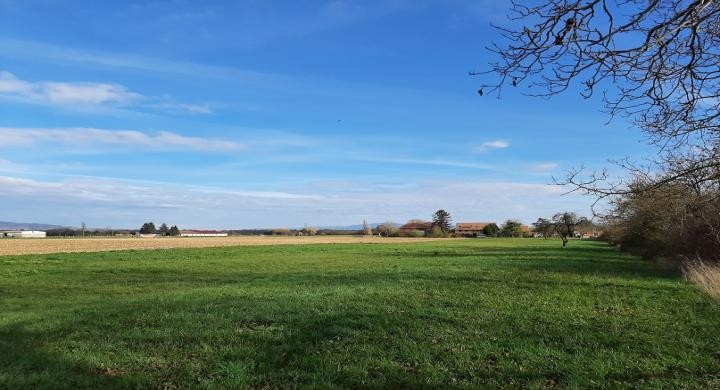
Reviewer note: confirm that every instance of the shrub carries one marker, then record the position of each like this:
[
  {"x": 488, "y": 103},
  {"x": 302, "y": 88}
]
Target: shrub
[
  {"x": 674, "y": 221},
  {"x": 416, "y": 233},
  {"x": 438, "y": 232}
]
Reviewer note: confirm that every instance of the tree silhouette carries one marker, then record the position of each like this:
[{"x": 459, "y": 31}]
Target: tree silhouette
[
  {"x": 654, "y": 61},
  {"x": 442, "y": 219}
]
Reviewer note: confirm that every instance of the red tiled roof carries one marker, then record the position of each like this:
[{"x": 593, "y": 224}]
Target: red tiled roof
[
  {"x": 416, "y": 226},
  {"x": 471, "y": 225}
]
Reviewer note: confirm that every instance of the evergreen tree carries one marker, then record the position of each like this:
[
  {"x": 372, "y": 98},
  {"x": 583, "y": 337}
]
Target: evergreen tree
[
  {"x": 148, "y": 228},
  {"x": 174, "y": 231},
  {"x": 442, "y": 219},
  {"x": 163, "y": 231}
]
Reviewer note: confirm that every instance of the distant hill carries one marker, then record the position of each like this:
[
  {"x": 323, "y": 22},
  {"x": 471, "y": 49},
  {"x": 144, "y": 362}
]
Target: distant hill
[{"x": 27, "y": 226}]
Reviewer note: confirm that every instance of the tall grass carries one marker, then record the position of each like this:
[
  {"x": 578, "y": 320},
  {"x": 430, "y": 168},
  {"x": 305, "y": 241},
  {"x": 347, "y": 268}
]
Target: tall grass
[{"x": 704, "y": 275}]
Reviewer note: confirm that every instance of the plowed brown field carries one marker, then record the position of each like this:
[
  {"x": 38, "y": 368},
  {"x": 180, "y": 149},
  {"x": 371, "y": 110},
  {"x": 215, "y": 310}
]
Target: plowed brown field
[{"x": 58, "y": 245}]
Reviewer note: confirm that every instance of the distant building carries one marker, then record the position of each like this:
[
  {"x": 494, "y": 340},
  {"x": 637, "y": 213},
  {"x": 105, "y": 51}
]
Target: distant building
[
  {"x": 526, "y": 230},
  {"x": 23, "y": 234},
  {"x": 471, "y": 229},
  {"x": 410, "y": 227},
  {"x": 588, "y": 231},
  {"x": 202, "y": 233}
]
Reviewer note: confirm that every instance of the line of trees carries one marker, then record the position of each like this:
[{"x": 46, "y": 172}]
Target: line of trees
[
  {"x": 561, "y": 225},
  {"x": 163, "y": 230}
]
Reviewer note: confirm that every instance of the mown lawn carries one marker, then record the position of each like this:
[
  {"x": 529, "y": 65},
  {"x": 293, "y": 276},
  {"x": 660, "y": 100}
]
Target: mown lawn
[{"x": 464, "y": 313}]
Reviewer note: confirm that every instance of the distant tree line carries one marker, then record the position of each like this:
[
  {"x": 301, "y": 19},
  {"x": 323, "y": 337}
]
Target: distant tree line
[
  {"x": 70, "y": 232},
  {"x": 164, "y": 230}
]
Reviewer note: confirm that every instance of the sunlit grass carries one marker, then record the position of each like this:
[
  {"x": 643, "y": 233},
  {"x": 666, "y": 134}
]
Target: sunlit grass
[{"x": 465, "y": 313}]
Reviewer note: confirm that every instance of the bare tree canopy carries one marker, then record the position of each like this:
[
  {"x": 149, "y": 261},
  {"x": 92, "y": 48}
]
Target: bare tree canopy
[{"x": 656, "y": 62}]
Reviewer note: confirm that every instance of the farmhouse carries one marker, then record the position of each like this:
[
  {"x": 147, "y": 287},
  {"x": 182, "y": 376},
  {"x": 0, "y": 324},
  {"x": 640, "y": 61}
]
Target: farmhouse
[
  {"x": 526, "y": 230},
  {"x": 410, "y": 227},
  {"x": 22, "y": 234},
  {"x": 471, "y": 229},
  {"x": 202, "y": 233}
]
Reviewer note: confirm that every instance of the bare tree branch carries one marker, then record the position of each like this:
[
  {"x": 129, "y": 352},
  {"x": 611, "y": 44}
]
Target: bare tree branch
[{"x": 656, "y": 62}]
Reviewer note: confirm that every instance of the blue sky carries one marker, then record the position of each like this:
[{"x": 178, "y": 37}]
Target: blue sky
[{"x": 220, "y": 114}]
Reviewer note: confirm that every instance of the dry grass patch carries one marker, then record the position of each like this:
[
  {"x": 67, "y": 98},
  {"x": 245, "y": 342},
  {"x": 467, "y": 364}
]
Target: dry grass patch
[{"x": 705, "y": 276}]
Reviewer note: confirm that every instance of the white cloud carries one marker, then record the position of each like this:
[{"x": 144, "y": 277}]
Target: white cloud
[
  {"x": 84, "y": 94},
  {"x": 182, "y": 107},
  {"x": 116, "y": 190},
  {"x": 492, "y": 145},
  {"x": 9, "y": 84},
  {"x": 87, "y": 93},
  {"x": 117, "y": 202},
  {"x": 91, "y": 137},
  {"x": 433, "y": 162}
]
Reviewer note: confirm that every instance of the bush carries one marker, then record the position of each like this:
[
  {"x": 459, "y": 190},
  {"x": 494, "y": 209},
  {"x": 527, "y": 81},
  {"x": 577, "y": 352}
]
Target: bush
[
  {"x": 438, "y": 232},
  {"x": 281, "y": 232},
  {"x": 673, "y": 221},
  {"x": 415, "y": 233}
]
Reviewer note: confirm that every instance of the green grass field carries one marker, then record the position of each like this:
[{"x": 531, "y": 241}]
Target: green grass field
[{"x": 463, "y": 313}]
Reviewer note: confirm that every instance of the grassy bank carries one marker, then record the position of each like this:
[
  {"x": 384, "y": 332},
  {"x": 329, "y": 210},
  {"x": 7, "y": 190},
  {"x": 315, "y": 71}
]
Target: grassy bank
[{"x": 512, "y": 313}]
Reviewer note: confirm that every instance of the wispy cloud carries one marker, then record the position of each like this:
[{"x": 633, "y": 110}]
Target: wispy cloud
[
  {"x": 85, "y": 93},
  {"x": 70, "y": 94},
  {"x": 434, "y": 162},
  {"x": 129, "y": 202},
  {"x": 492, "y": 145},
  {"x": 39, "y": 51},
  {"x": 11, "y": 136},
  {"x": 183, "y": 107},
  {"x": 115, "y": 190},
  {"x": 544, "y": 167}
]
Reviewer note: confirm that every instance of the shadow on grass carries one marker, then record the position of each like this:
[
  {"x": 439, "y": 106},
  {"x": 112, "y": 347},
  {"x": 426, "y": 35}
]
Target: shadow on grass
[
  {"x": 282, "y": 341},
  {"x": 595, "y": 258},
  {"x": 194, "y": 342},
  {"x": 291, "y": 329},
  {"x": 26, "y": 362}
]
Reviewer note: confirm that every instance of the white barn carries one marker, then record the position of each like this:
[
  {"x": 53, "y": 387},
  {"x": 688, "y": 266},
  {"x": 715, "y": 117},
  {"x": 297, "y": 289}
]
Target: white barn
[{"x": 23, "y": 234}]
